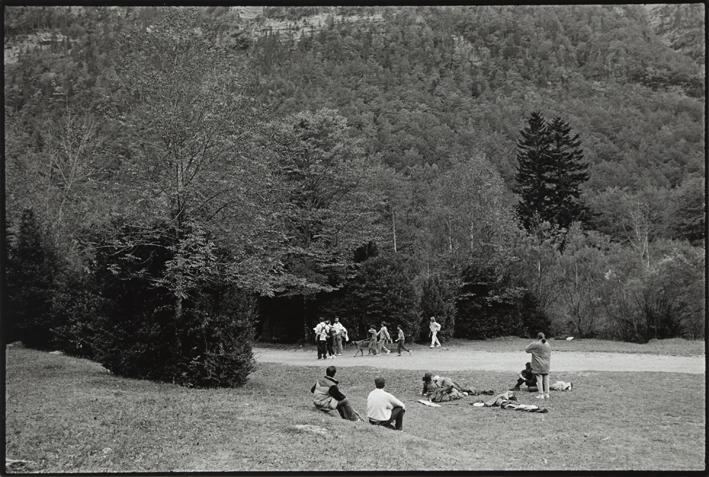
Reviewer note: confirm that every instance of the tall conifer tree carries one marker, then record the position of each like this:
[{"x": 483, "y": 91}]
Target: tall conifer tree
[{"x": 549, "y": 172}]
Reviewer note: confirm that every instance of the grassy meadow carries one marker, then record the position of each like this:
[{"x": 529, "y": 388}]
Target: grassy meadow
[{"x": 69, "y": 415}]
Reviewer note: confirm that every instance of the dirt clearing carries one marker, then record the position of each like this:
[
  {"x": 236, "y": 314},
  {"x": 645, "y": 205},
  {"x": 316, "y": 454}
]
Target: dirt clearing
[{"x": 460, "y": 359}]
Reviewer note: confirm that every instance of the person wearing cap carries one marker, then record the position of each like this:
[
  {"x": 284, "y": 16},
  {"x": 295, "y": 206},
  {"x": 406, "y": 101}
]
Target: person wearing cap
[
  {"x": 383, "y": 409},
  {"x": 435, "y": 328},
  {"x": 541, "y": 357},
  {"x": 326, "y": 395}
]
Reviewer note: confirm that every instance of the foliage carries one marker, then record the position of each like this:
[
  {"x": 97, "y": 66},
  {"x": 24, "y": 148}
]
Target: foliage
[
  {"x": 32, "y": 268},
  {"x": 381, "y": 291},
  {"x": 437, "y": 299},
  {"x": 137, "y": 332},
  {"x": 550, "y": 173},
  {"x": 487, "y": 304}
]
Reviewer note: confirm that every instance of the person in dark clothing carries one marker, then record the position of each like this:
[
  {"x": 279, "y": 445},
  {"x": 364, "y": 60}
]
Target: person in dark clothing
[
  {"x": 330, "y": 341},
  {"x": 526, "y": 377},
  {"x": 327, "y": 396}
]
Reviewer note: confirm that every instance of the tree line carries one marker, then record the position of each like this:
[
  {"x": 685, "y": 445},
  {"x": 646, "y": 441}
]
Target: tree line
[{"x": 175, "y": 196}]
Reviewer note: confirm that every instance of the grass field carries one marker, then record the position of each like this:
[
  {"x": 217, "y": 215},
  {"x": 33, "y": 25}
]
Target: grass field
[
  {"x": 672, "y": 347},
  {"x": 66, "y": 414}
]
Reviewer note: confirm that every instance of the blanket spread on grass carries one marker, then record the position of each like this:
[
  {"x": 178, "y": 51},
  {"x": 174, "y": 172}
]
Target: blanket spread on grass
[{"x": 507, "y": 400}]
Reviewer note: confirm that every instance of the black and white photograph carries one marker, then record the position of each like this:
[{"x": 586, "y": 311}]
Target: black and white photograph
[{"x": 395, "y": 238}]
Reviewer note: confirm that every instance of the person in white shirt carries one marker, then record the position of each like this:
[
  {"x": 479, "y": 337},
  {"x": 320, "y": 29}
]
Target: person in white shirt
[
  {"x": 384, "y": 338},
  {"x": 383, "y": 409},
  {"x": 340, "y": 333},
  {"x": 435, "y": 328}
]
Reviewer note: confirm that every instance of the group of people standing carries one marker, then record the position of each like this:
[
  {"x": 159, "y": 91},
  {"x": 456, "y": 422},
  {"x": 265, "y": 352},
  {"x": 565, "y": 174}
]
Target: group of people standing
[{"x": 329, "y": 338}]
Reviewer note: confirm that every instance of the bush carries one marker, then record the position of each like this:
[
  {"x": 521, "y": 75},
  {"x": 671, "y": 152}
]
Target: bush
[
  {"x": 32, "y": 267},
  {"x": 381, "y": 290},
  {"x": 74, "y": 307},
  {"x": 487, "y": 305},
  {"x": 142, "y": 330}
]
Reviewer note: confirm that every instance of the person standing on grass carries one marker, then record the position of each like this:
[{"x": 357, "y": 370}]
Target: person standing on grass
[
  {"x": 383, "y": 409},
  {"x": 340, "y": 334},
  {"x": 400, "y": 339},
  {"x": 326, "y": 395},
  {"x": 541, "y": 357},
  {"x": 384, "y": 337},
  {"x": 321, "y": 332},
  {"x": 435, "y": 328}
]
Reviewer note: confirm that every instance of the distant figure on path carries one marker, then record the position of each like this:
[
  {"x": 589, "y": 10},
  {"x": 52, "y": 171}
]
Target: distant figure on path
[
  {"x": 400, "y": 339},
  {"x": 326, "y": 395},
  {"x": 330, "y": 340},
  {"x": 383, "y": 408},
  {"x": 435, "y": 328},
  {"x": 321, "y": 332},
  {"x": 373, "y": 346},
  {"x": 384, "y": 337},
  {"x": 340, "y": 334},
  {"x": 526, "y": 376},
  {"x": 541, "y": 357}
]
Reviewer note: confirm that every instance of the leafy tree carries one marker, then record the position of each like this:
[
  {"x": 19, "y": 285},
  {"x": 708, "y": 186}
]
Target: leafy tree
[
  {"x": 486, "y": 305},
  {"x": 329, "y": 208},
  {"x": 549, "y": 173},
  {"x": 686, "y": 213},
  {"x": 381, "y": 291},
  {"x": 437, "y": 299},
  {"x": 135, "y": 333}
]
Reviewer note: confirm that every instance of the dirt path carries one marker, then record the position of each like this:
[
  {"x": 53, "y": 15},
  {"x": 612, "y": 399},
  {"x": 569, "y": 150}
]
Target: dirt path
[{"x": 457, "y": 359}]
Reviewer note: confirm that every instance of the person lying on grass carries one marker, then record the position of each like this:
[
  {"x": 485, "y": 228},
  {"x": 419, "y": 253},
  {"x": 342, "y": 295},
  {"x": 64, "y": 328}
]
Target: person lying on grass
[
  {"x": 383, "y": 409},
  {"x": 527, "y": 377},
  {"x": 442, "y": 389},
  {"x": 326, "y": 395}
]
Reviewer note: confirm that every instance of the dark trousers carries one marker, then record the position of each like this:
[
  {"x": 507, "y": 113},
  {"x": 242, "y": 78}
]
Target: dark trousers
[
  {"x": 397, "y": 417},
  {"x": 322, "y": 349},
  {"x": 530, "y": 384},
  {"x": 345, "y": 410},
  {"x": 330, "y": 349},
  {"x": 400, "y": 346}
]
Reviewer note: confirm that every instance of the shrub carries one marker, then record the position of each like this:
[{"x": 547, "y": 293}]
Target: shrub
[
  {"x": 381, "y": 290},
  {"x": 142, "y": 330},
  {"x": 74, "y": 307}
]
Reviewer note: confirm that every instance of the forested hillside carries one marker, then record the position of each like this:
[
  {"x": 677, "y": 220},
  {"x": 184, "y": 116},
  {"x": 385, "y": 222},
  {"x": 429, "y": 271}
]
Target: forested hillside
[{"x": 300, "y": 135}]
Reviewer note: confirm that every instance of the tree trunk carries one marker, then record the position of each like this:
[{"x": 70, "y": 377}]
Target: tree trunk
[
  {"x": 306, "y": 330},
  {"x": 393, "y": 226}
]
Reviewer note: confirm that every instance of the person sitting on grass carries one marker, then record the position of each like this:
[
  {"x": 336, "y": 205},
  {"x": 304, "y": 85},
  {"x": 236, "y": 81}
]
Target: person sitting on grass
[
  {"x": 526, "y": 376},
  {"x": 326, "y": 395},
  {"x": 442, "y": 389},
  {"x": 383, "y": 409}
]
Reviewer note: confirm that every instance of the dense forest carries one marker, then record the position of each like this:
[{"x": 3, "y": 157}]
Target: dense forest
[{"x": 196, "y": 177}]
